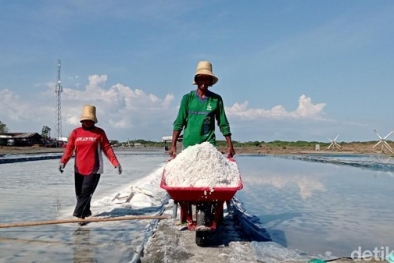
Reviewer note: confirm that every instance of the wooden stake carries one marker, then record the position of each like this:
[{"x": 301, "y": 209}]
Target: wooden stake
[{"x": 86, "y": 220}]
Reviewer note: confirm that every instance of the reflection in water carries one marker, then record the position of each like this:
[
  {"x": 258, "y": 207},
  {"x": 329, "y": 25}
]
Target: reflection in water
[
  {"x": 306, "y": 184},
  {"x": 383, "y": 159},
  {"x": 33, "y": 184},
  {"x": 345, "y": 207},
  {"x": 83, "y": 252}
]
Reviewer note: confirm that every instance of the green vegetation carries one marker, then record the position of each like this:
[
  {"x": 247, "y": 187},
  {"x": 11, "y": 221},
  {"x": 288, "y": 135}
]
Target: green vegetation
[
  {"x": 222, "y": 143},
  {"x": 46, "y": 132},
  {"x": 3, "y": 127}
]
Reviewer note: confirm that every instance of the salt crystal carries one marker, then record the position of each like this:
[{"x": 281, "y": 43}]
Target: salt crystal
[{"x": 201, "y": 165}]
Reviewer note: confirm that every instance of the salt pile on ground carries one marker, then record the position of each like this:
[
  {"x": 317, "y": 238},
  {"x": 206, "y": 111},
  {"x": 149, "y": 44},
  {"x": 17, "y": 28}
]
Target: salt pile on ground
[{"x": 201, "y": 165}]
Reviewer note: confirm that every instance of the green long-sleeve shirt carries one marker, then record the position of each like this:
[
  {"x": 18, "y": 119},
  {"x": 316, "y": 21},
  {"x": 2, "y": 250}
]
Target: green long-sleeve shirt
[{"x": 197, "y": 116}]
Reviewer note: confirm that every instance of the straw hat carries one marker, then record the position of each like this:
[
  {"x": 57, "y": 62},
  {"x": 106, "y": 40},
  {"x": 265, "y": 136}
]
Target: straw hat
[
  {"x": 89, "y": 113},
  {"x": 205, "y": 68}
]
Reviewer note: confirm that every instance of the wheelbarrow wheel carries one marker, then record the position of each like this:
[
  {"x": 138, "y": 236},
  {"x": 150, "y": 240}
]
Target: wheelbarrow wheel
[{"x": 201, "y": 238}]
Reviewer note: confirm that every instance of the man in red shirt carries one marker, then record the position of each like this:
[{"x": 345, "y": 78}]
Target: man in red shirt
[{"x": 88, "y": 142}]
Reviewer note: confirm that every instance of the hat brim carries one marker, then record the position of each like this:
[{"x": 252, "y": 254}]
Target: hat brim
[
  {"x": 89, "y": 119},
  {"x": 208, "y": 73}
]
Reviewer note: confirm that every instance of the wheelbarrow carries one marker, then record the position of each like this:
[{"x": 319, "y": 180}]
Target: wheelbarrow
[{"x": 201, "y": 208}]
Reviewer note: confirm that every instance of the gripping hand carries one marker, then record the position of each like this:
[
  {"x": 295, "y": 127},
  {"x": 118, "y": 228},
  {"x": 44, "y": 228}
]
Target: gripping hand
[
  {"x": 61, "y": 167},
  {"x": 119, "y": 167}
]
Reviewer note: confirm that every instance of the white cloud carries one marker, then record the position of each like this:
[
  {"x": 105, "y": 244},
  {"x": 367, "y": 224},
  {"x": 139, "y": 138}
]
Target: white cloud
[
  {"x": 14, "y": 109},
  {"x": 119, "y": 106},
  {"x": 305, "y": 110},
  {"x": 8, "y": 107},
  {"x": 125, "y": 112}
]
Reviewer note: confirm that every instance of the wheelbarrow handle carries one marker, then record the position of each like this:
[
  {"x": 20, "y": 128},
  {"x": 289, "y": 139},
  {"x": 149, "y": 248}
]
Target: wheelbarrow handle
[{"x": 230, "y": 158}]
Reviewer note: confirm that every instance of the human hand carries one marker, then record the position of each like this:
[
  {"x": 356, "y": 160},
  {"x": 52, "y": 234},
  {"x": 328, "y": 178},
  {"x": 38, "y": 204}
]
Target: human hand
[
  {"x": 231, "y": 152},
  {"x": 172, "y": 152},
  {"x": 61, "y": 167},
  {"x": 119, "y": 167}
]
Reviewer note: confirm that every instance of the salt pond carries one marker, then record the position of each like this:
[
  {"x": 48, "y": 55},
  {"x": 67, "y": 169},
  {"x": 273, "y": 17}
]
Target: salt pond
[{"x": 314, "y": 208}]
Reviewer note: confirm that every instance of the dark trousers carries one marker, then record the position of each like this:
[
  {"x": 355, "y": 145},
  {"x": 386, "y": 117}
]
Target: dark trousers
[{"x": 84, "y": 189}]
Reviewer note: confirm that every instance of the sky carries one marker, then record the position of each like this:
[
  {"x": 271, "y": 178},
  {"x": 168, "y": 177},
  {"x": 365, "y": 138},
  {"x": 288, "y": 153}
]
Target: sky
[{"x": 288, "y": 70}]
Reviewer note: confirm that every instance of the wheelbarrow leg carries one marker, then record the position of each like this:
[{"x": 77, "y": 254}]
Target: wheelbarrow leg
[
  {"x": 184, "y": 217},
  {"x": 219, "y": 213},
  {"x": 189, "y": 212},
  {"x": 175, "y": 210}
]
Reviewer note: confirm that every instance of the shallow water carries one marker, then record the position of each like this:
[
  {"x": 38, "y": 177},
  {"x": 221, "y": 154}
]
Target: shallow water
[
  {"x": 36, "y": 191},
  {"x": 318, "y": 208}
]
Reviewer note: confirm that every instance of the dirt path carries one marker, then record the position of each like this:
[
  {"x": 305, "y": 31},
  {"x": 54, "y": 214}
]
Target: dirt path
[{"x": 172, "y": 243}]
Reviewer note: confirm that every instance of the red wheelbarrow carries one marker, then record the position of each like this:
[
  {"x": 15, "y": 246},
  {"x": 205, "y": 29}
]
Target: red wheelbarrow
[{"x": 201, "y": 208}]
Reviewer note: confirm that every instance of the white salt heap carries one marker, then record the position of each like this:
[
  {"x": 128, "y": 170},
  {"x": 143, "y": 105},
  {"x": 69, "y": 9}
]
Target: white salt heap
[{"x": 201, "y": 165}]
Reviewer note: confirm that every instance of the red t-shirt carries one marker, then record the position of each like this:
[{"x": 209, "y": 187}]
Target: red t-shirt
[{"x": 89, "y": 145}]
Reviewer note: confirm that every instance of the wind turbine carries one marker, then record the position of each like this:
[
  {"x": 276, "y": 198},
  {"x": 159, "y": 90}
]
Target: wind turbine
[
  {"x": 333, "y": 144},
  {"x": 383, "y": 142}
]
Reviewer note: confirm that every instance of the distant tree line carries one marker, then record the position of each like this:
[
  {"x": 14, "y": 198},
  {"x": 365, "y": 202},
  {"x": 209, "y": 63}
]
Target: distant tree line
[
  {"x": 222, "y": 143},
  {"x": 46, "y": 133}
]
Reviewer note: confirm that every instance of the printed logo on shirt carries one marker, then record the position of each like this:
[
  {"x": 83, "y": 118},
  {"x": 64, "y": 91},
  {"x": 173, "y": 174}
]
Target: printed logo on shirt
[
  {"x": 84, "y": 139},
  {"x": 209, "y": 107}
]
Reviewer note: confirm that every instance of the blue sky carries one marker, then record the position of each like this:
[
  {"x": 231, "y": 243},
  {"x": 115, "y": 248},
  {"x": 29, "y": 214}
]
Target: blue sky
[{"x": 288, "y": 70}]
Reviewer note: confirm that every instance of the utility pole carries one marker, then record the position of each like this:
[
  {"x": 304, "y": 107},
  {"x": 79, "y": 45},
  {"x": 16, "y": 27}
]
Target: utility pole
[{"x": 58, "y": 91}]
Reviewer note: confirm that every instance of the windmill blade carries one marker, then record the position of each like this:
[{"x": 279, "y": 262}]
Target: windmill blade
[
  {"x": 387, "y": 145},
  {"x": 379, "y": 142},
  {"x": 388, "y": 135},
  {"x": 376, "y": 132},
  {"x": 329, "y": 139},
  {"x": 336, "y": 137}
]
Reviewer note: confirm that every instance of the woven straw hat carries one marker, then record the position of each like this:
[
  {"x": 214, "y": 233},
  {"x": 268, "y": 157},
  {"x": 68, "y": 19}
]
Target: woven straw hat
[
  {"x": 205, "y": 68},
  {"x": 89, "y": 113}
]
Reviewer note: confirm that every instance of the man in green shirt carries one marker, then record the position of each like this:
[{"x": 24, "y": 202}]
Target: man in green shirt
[{"x": 198, "y": 111}]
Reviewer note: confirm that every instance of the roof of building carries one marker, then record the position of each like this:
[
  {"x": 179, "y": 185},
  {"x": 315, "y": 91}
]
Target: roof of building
[
  {"x": 19, "y": 135},
  {"x": 169, "y": 138}
]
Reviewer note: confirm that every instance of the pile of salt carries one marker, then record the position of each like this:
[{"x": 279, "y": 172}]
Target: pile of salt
[{"x": 201, "y": 165}]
